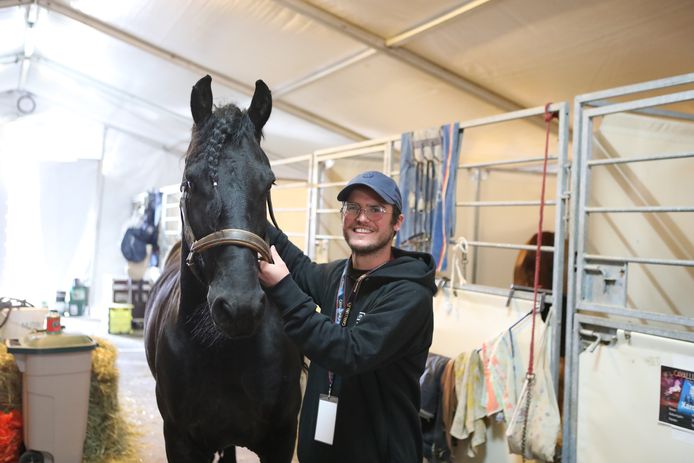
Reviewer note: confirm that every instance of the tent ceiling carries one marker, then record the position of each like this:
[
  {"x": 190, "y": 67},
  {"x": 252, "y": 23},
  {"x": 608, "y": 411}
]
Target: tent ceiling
[{"x": 131, "y": 64}]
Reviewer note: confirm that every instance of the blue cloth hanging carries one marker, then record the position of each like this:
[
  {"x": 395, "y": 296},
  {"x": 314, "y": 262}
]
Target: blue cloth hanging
[
  {"x": 445, "y": 211},
  {"x": 407, "y": 185}
]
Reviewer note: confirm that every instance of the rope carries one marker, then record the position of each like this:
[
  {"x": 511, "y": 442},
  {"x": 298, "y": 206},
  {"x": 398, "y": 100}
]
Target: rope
[
  {"x": 459, "y": 263},
  {"x": 530, "y": 375}
]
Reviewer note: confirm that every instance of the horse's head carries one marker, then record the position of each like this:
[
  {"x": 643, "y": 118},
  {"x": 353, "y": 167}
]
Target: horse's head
[{"x": 226, "y": 181}]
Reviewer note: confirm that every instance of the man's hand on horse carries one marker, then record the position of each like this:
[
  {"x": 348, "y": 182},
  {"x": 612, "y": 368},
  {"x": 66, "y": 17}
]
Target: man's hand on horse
[{"x": 271, "y": 274}]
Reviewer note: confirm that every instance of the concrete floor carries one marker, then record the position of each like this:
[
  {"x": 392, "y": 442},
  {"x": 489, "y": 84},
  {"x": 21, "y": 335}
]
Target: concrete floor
[{"x": 136, "y": 390}]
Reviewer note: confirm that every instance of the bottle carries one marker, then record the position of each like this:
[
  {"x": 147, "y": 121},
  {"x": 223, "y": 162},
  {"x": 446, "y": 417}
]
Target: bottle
[
  {"x": 60, "y": 304},
  {"x": 78, "y": 298}
]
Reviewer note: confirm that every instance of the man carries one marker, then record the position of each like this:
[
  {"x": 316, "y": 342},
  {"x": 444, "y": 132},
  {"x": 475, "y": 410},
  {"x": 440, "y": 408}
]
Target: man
[{"x": 368, "y": 338}]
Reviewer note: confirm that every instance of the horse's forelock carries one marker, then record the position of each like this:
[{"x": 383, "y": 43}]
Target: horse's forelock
[{"x": 228, "y": 124}]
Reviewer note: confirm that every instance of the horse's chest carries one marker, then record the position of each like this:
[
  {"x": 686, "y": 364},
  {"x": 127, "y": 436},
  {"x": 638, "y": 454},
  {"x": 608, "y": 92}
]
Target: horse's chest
[{"x": 226, "y": 394}]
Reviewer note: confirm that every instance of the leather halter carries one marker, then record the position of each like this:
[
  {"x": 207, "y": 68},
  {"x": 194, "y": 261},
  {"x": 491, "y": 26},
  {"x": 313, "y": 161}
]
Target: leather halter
[{"x": 224, "y": 237}]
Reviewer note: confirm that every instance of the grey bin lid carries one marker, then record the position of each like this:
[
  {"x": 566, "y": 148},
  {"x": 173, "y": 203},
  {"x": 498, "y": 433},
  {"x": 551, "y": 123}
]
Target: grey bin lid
[{"x": 41, "y": 342}]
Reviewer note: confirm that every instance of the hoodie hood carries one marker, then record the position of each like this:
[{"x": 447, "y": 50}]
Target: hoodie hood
[{"x": 410, "y": 265}]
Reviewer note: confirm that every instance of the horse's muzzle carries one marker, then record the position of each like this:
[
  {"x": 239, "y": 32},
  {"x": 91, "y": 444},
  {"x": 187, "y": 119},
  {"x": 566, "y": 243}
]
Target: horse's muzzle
[{"x": 240, "y": 316}]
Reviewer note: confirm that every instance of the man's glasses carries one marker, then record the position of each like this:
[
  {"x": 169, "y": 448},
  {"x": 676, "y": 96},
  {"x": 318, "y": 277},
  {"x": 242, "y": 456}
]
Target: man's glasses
[{"x": 353, "y": 210}]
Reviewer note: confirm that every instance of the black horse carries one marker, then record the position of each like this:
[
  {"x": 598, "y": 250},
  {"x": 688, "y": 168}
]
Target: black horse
[{"x": 226, "y": 374}]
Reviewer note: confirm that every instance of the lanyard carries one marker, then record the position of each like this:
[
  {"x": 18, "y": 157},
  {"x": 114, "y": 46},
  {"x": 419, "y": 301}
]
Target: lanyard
[{"x": 343, "y": 308}]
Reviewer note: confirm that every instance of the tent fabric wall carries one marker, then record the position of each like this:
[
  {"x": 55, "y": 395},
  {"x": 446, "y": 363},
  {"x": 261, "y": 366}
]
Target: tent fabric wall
[{"x": 45, "y": 243}]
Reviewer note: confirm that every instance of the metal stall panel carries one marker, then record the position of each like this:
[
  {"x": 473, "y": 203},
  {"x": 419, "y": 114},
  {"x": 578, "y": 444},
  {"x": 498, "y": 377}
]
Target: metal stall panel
[
  {"x": 292, "y": 189},
  {"x": 631, "y": 257},
  {"x": 499, "y": 199}
]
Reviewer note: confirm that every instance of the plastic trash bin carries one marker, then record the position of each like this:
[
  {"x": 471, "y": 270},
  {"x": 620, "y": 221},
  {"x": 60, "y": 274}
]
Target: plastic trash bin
[{"x": 56, "y": 372}]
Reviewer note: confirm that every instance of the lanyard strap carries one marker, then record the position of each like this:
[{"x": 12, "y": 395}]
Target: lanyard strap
[{"x": 343, "y": 308}]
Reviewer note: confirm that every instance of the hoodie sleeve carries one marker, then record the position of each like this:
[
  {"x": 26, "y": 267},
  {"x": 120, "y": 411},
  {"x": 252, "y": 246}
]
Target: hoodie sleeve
[
  {"x": 308, "y": 275},
  {"x": 399, "y": 323}
]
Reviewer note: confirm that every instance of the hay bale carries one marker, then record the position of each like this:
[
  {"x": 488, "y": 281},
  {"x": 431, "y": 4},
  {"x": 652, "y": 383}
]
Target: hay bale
[
  {"x": 110, "y": 437},
  {"x": 10, "y": 382}
]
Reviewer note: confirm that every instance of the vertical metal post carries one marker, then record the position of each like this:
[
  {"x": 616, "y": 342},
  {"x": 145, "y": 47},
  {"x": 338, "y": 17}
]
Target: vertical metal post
[
  {"x": 567, "y": 425},
  {"x": 476, "y": 231},
  {"x": 309, "y": 199},
  {"x": 561, "y": 196},
  {"x": 313, "y": 207}
]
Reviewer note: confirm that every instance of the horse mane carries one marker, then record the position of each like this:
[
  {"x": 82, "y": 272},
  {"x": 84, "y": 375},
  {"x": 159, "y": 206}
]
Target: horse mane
[{"x": 227, "y": 124}]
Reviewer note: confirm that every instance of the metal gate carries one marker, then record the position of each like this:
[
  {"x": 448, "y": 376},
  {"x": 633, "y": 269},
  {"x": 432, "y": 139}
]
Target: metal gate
[{"x": 630, "y": 243}]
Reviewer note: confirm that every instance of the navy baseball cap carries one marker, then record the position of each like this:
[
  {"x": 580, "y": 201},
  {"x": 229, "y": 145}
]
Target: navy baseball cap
[{"x": 383, "y": 185}]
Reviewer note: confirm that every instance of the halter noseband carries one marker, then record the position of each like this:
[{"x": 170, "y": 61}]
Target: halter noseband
[{"x": 224, "y": 237}]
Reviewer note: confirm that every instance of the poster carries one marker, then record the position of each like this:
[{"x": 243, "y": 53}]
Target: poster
[{"x": 677, "y": 397}]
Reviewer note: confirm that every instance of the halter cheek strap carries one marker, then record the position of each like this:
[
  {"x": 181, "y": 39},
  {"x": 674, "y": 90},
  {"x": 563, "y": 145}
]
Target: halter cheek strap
[{"x": 224, "y": 237}]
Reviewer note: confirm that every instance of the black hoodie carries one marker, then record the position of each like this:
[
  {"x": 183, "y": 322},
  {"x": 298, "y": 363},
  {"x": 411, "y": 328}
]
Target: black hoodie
[{"x": 377, "y": 358}]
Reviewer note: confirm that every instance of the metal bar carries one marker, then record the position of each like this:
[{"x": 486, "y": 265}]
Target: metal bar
[
  {"x": 476, "y": 229},
  {"x": 332, "y": 68},
  {"x": 12, "y": 3},
  {"x": 562, "y": 194},
  {"x": 634, "y": 88},
  {"x": 651, "y": 111},
  {"x": 506, "y": 162},
  {"x": 373, "y": 142},
  {"x": 116, "y": 93},
  {"x": 520, "y": 170},
  {"x": 656, "y": 157},
  {"x": 312, "y": 219},
  {"x": 387, "y": 158},
  {"x": 638, "y": 328},
  {"x": 291, "y": 186},
  {"x": 11, "y": 58},
  {"x": 403, "y": 37},
  {"x": 348, "y": 153},
  {"x": 368, "y": 146},
  {"x": 329, "y": 237},
  {"x": 527, "y": 247},
  {"x": 291, "y": 160},
  {"x": 512, "y": 116},
  {"x": 197, "y": 68},
  {"x": 289, "y": 209},
  {"x": 640, "y": 209},
  {"x": 401, "y": 54},
  {"x": 331, "y": 184},
  {"x": 635, "y": 313},
  {"x": 502, "y": 203},
  {"x": 641, "y": 260},
  {"x": 494, "y": 291},
  {"x": 327, "y": 211},
  {"x": 643, "y": 103},
  {"x": 142, "y": 138},
  {"x": 581, "y": 128}
]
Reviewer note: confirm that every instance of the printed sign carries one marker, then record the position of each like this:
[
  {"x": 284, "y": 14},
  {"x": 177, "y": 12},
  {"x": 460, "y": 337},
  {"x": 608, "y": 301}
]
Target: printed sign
[{"x": 677, "y": 397}]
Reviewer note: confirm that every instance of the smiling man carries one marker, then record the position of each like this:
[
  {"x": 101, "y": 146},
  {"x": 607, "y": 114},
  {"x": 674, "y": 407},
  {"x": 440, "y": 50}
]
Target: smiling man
[{"x": 365, "y": 323}]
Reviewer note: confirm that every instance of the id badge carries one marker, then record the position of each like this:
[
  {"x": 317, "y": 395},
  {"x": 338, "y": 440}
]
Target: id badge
[{"x": 325, "y": 422}]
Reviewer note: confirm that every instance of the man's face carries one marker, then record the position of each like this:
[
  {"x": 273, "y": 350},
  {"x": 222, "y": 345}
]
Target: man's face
[{"x": 367, "y": 235}]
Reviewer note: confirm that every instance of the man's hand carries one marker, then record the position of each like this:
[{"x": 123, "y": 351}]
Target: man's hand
[{"x": 271, "y": 274}]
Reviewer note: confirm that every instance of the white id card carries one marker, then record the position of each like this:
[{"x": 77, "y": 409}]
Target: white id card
[{"x": 325, "y": 422}]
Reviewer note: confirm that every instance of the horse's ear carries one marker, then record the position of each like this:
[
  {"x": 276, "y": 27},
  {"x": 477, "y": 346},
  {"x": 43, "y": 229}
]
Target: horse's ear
[
  {"x": 261, "y": 107},
  {"x": 201, "y": 100}
]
